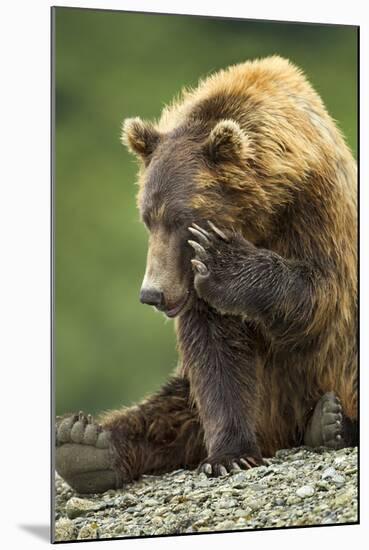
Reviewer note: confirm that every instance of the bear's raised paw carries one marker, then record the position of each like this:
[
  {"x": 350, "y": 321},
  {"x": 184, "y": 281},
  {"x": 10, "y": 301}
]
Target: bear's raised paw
[{"x": 218, "y": 261}]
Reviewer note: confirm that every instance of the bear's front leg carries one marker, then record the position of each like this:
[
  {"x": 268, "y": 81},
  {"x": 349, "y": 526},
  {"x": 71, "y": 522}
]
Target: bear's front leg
[{"x": 219, "y": 357}]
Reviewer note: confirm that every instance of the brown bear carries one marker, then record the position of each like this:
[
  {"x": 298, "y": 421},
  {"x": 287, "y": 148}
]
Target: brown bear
[{"x": 248, "y": 192}]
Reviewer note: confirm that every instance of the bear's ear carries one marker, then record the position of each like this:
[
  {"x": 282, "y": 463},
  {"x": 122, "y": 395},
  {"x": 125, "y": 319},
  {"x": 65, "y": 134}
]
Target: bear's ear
[
  {"x": 227, "y": 141},
  {"x": 140, "y": 137}
]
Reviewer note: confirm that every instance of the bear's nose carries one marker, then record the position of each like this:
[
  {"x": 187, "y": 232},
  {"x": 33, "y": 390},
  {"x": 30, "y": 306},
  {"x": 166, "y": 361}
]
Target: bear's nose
[{"x": 151, "y": 297}]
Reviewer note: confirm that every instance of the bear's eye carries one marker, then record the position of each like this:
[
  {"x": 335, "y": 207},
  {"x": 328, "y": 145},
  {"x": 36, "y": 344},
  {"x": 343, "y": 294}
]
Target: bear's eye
[
  {"x": 146, "y": 220},
  {"x": 171, "y": 220},
  {"x": 176, "y": 223}
]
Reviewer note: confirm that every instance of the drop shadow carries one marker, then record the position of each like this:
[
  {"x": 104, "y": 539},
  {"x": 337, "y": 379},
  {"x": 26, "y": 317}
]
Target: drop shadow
[{"x": 40, "y": 531}]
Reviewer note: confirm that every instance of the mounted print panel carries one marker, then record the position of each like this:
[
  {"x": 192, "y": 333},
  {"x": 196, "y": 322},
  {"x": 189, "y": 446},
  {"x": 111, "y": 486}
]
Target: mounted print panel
[{"x": 205, "y": 371}]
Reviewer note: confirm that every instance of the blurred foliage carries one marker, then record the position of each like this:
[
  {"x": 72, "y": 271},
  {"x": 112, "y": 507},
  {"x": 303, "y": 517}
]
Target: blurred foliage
[{"x": 111, "y": 350}]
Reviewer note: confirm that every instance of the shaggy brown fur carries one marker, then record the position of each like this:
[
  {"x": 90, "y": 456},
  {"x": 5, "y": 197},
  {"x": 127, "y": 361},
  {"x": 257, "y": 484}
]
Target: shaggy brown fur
[{"x": 268, "y": 323}]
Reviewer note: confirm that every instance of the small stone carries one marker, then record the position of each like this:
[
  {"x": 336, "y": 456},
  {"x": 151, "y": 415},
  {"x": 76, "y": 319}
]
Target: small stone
[
  {"x": 202, "y": 520},
  {"x": 343, "y": 499},
  {"x": 203, "y": 477},
  {"x": 350, "y": 471},
  {"x": 225, "y": 525},
  {"x": 338, "y": 480},
  {"x": 252, "y": 503},
  {"x": 242, "y": 512},
  {"x": 80, "y": 507},
  {"x": 203, "y": 484},
  {"x": 328, "y": 473},
  {"x": 323, "y": 485},
  {"x": 305, "y": 491},
  {"x": 225, "y": 491},
  {"x": 160, "y": 511},
  {"x": 299, "y": 454},
  {"x": 290, "y": 474},
  {"x": 89, "y": 531},
  {"x": 332, "y": 518},
  {"x": 339, "y": 462},
  {"x": 151, "y": 502},
  {"x": 260, "y": 471},
  {"x": 282, "y": 453},
  {"x": 129, "y": 499},
  {"x": 226, "y": 503},
  {"x": 64, "y": 530},
  {"x": 239, "y": 479}
]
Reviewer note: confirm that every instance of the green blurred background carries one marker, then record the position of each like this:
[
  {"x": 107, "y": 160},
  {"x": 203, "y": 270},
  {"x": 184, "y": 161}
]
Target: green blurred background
[{"x": 111, "y": 350}]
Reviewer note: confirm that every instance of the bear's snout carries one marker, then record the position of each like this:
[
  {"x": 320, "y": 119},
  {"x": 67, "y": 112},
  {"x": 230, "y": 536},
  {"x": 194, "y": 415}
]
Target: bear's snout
[{"x": 152, "y": 297}]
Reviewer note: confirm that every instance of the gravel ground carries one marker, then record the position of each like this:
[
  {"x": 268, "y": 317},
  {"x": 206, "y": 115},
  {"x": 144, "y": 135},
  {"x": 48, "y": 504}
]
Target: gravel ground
[{"x": 297, "y": 487}]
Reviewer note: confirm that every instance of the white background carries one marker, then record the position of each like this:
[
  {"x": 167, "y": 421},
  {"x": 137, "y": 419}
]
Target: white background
[{"x": 25, "y": 275}]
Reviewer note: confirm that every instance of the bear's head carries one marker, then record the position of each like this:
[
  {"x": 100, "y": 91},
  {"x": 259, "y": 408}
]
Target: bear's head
[{"x": 197, "y": 172}]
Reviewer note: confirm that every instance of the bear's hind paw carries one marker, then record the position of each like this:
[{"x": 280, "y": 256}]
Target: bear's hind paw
[
  {"x": 325, "y": 428},
  {"x": 84, "y": 456}
]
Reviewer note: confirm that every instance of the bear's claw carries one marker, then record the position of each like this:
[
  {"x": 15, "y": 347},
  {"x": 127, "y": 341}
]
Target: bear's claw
[
  {"x": 200, "y": 251},
  {"x": 200, "y": 246},
  {"x": 218, "y": 231},
  {"x": 199, "y": 266},
  {"x": 203, "y": 238},
  {"x": 221, "y": 466},
  {"x": 214, "y": 251}
]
